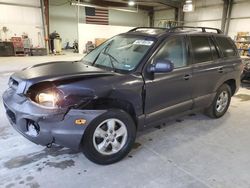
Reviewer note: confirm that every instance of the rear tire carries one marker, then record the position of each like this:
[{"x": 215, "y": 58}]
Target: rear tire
[
  {"x": 109, "y": 138},
  {"x": 220, "y": 103}
]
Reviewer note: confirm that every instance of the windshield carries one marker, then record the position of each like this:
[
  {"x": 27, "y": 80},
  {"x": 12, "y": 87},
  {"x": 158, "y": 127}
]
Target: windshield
[{"x": 120, "y": 53}]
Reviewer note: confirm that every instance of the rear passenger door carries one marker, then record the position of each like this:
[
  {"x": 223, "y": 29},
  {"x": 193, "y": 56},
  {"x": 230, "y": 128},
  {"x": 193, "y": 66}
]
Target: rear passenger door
[
  {"x": 207, "y": 68},
  {"x": 230, "y": 55}
]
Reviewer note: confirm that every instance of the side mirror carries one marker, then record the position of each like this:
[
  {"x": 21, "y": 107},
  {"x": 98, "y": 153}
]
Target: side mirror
[{"x": 161, "y": 66}]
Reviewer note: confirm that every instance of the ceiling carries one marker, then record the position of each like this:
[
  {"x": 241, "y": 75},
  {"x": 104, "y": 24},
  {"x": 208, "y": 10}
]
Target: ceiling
[{"x": 142, "y": 4}]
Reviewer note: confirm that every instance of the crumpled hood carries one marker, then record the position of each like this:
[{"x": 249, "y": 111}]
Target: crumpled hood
[{"x": 56, "y": 71}]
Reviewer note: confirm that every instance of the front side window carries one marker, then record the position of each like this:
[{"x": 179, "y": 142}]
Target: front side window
[
  {"x": 226, "y": 46},
  {"x": 123, "y": 52},
  {"x": 201, "y": 49},
  {"x": 173, "y": 50}
]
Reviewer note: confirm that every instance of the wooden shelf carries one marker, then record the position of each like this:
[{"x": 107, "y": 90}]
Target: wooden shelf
[
  {"x": 245, "y": 57},
  {"x": 245, "y": 49},
  {"x": 245, "y": 36},
  {"x": 243, "y": 41}
]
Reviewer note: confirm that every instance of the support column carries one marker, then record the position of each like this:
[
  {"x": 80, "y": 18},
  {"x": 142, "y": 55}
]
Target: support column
[
  {"x": 46, "y": 7},
  {"x": 45, "y": 30},
  {"x": 180, "y": 15},
  {"x": 224, "y": 15},
  {"x": 151, "y": 17},
  {"x": 230, "y": 6}
]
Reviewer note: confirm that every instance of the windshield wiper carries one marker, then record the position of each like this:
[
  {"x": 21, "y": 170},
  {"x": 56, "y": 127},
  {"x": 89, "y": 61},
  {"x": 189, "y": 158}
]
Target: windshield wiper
[
  {"x": 111, "y": 58},
  {"x": 111, "y": 61},
  {"x": 105, "y": 52}
]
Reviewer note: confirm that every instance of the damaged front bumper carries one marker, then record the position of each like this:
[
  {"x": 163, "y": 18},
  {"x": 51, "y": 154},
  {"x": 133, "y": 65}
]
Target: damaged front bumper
[{"x": 45, "y": 126}]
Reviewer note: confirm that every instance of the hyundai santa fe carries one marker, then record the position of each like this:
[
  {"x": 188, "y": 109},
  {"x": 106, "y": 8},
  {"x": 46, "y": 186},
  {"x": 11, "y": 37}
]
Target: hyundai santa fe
[{"x": 132, "y": 81}]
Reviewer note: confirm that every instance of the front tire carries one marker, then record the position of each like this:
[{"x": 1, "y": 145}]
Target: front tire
[
  {"x": 220, "y": 103},
  {"x": 109, "y": 137}
]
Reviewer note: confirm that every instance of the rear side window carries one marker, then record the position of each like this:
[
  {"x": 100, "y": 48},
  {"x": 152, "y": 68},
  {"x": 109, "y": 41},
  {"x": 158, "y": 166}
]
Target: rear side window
[
  {"x": 201, "y": 49},
  {"x": 226, "y": 47},
  {"x": 214, "y": 49}
]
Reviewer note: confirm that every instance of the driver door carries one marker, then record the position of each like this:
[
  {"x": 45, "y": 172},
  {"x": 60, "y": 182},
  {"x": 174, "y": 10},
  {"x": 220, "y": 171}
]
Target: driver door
[{"x": 169, "y": 93}]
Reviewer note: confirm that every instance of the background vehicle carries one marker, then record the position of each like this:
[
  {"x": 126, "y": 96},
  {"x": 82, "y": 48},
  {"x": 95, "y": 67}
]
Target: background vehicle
[
  {"x": 246, "y": 71},
  {"x": 133, "y": 81}
]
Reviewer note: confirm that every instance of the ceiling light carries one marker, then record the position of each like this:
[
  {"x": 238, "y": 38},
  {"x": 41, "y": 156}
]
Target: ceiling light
[
  {"x": 131, "y": 3},
  {"x": 188, "y": 1}
]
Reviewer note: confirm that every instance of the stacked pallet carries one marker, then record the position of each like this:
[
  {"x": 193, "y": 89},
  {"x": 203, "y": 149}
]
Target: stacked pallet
[{"x": 243, "y": 43}]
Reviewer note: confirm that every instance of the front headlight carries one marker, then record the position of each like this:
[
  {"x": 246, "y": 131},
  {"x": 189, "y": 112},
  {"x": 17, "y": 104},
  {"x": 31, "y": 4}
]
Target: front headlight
[
  {"x": 48, "y": 98},
  {"x": 52, "y": 96}
]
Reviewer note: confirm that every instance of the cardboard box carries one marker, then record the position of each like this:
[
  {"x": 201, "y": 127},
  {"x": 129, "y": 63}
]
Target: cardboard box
[{"x": 99, "y": 41}]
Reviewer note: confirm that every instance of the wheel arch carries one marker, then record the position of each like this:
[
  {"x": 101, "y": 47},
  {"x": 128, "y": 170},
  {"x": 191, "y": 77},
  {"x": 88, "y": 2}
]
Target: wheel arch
[
  {"x": 232, "y": 84},
  {"x": 112, "y": 103}
]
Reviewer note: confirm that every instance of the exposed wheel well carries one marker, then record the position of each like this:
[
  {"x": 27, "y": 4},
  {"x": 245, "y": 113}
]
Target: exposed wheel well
[
  {"x": 232, "y": 85},
  {"x": 107, "y": 103}
]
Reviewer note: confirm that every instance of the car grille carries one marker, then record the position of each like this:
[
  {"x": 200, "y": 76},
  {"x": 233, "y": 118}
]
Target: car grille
[{"x": 11, "y": 115}]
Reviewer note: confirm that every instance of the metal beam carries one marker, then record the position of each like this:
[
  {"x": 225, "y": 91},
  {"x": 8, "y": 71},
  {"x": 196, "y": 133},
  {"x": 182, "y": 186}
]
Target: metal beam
[
  {"x": 239, "y": 18},
  {"x": 224, "y": 15},
  {"x": 19, "y": 5},
  {"x": 151, "y": 17},
  {"x": 176, "y": 14},
  {"x": 230, "y": 7},
  {"x": 103, "y": 3},
  {"x": 45, "y": 30},
  {"x": 174, "y": 4},
  {"x": 180, "y": 16},
  {"x": 197, "y": 21}
]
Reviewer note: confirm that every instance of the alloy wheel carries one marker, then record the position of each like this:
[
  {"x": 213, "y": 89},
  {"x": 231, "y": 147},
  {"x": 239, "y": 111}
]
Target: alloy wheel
[
  {"x": 110, "y": 136},
  {"x": 222, "y": 101}
]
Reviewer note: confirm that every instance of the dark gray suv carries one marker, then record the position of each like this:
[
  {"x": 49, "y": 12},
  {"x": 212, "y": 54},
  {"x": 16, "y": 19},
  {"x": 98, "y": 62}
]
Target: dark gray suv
[{"x": 132, "y": 81}]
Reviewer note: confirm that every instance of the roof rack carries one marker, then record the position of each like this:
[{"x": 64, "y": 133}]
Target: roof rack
[
  {"x": 138, "y": 28},
  {"x": 203, "y": 29}
]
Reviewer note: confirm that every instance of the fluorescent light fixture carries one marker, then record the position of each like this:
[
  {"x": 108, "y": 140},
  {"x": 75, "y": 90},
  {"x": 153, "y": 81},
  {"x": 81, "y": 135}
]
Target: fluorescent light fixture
[
  {"x": 131, "y": 3},
  {"x": 188, "y": 1}
]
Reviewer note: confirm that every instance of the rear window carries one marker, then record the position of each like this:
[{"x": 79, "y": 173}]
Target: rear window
[
  {"x": 226, "y": 46},
  {"x": 201, "y": 49}
]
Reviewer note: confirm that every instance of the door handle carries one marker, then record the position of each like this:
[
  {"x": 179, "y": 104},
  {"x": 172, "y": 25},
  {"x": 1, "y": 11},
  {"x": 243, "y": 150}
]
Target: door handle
[
  {"x": 187, "y": 77},
  {"x": 220, "y": 70}
]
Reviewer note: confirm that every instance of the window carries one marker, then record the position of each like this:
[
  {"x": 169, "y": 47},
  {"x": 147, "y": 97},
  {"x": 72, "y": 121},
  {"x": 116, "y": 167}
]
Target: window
[
  {"x": 173, "y": 50},
  {"x": 214, "y": 50},
  {"x": 226, "y": 46},
  {"x": 201, "y": 49},
  {"x": 121, "y": 53}
]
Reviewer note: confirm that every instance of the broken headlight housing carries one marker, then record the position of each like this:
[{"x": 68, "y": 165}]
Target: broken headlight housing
[
  {"x": 57, "y": 96},
  {"x": 49, "y": 98}
]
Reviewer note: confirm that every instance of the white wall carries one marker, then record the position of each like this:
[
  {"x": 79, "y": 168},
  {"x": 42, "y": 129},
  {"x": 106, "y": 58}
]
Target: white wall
[
  {"x": 63, "y": 19},
  {"x": 212, "y": 10},
  {"x": 133, "y": 19},
  {"x": 240, "y": 10},
  {"x": 161, "y": 15},
  {"x": 23, "y": 2},
  {"x": 20, "y": 19},
  {"x": 89, "y": 32},
  {"x": 207, "y": 13}
]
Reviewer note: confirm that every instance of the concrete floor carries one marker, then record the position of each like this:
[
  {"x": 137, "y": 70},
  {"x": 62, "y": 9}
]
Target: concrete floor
[{"x": 193, "y": 151}]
